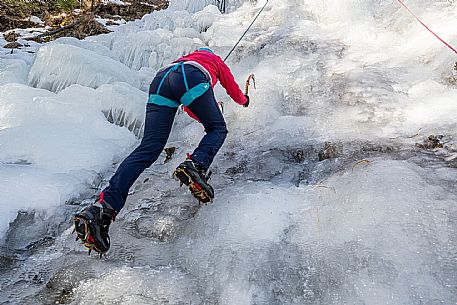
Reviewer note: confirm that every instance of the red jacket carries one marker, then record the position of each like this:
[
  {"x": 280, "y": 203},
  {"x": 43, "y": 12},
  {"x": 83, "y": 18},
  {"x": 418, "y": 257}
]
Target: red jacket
[{"x": 219, "y": 72}]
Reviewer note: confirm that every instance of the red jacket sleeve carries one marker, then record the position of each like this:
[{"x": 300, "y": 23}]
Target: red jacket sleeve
[{"x": 228, "y": 82}]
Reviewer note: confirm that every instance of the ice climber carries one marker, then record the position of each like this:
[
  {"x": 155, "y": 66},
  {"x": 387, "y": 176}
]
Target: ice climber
[{"x": 189, "y": 81}]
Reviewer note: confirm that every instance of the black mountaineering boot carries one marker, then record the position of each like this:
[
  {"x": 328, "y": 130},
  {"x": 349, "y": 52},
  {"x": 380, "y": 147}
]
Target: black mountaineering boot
[
  {"x": 192, "y": 175},
  {"x": 92, "y": 225}
]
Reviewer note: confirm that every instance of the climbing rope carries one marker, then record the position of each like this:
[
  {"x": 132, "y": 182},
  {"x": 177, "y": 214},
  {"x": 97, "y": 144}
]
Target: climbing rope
[
  {"x": 247, "y": 30},
  {"x": 420, "y": 21}
]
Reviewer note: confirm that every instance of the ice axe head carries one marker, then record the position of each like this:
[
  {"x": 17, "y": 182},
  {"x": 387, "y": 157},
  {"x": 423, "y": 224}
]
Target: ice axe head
[{"x": 248, "y": 82}]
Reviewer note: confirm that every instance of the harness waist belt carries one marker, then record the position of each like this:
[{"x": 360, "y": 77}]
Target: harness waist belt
[{"x": 187, "y": 98}]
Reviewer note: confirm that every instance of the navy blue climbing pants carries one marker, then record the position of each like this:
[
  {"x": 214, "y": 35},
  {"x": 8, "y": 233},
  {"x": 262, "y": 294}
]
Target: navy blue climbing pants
[{"x": 158, "y": 123}]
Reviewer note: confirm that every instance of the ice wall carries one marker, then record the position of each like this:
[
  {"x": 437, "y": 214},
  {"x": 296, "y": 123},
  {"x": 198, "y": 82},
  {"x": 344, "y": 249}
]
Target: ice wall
[
  {"x": 195, "y": 6},
  {"x": 13, "y": 71},
  {"x": 191, "y": 6},
  {"x": 162, "y": 37},
  {"x": 55, "y": 145},
  {"x": 205, "y": 18},
  {"x": 58, "y": 66},
  {"x": 363, "y": 236}
]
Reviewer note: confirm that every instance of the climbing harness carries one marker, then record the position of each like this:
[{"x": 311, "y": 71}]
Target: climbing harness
[
  {"x": 187, "y": 98},
  {"x": 425, "y": 26},
  {"x": 245, "y": 32},
  {"x": 246, "y": 91}
]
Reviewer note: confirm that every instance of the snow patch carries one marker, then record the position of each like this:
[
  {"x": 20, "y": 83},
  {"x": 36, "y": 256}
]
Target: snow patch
[
  {"x": 116, "y": 2},
  {"x": 36, "y": 19}
]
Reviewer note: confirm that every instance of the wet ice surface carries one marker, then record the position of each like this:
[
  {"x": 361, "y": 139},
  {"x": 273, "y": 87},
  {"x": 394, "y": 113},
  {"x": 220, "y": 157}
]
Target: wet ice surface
[
  {"x": 329, "y": 189},
  {"x": 377, "y": 232}
]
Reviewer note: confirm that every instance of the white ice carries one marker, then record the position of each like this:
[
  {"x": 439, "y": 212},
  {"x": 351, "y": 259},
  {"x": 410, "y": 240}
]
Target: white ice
[
  {"x": 58, "y": 66},
  {"x": 375, "y": 234},
  {"x": 54, "y": 145},
  {"x": 117, "y": 2},
  {"x": 144, "y": 286}
]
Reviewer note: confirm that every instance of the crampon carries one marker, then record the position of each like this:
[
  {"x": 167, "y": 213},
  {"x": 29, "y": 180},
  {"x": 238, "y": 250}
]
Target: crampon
[
  {"x": 83, "y": 232},
  {"x": 193, "y": 177},
  {"x": 92, "y": 225}
]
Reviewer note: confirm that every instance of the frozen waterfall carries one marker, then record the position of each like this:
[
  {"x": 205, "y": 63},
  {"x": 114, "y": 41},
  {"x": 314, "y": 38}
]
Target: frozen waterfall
[{"x": 336, "y": 186}]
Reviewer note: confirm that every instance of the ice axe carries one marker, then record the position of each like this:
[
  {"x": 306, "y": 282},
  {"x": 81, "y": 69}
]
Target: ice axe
[{"x": 248, "y": 83}]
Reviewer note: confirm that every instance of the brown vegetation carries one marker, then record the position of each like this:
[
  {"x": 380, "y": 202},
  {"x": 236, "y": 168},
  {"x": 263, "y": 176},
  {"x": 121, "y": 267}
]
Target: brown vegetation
[{"x": 61, "y": 17}]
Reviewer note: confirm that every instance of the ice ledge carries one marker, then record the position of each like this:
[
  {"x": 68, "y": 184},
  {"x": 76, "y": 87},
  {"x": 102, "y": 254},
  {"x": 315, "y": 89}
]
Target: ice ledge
[{"x": 58, "y": 66}]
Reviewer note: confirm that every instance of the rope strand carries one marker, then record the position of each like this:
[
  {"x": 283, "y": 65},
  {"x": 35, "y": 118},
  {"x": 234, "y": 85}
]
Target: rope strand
[
  {"x": 420, "y": 21},
  {"x": 245, "y": 32}
]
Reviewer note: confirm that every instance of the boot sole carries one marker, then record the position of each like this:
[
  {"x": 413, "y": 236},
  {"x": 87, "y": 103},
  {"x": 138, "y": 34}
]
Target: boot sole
[{"x": 195, "y": 188}]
